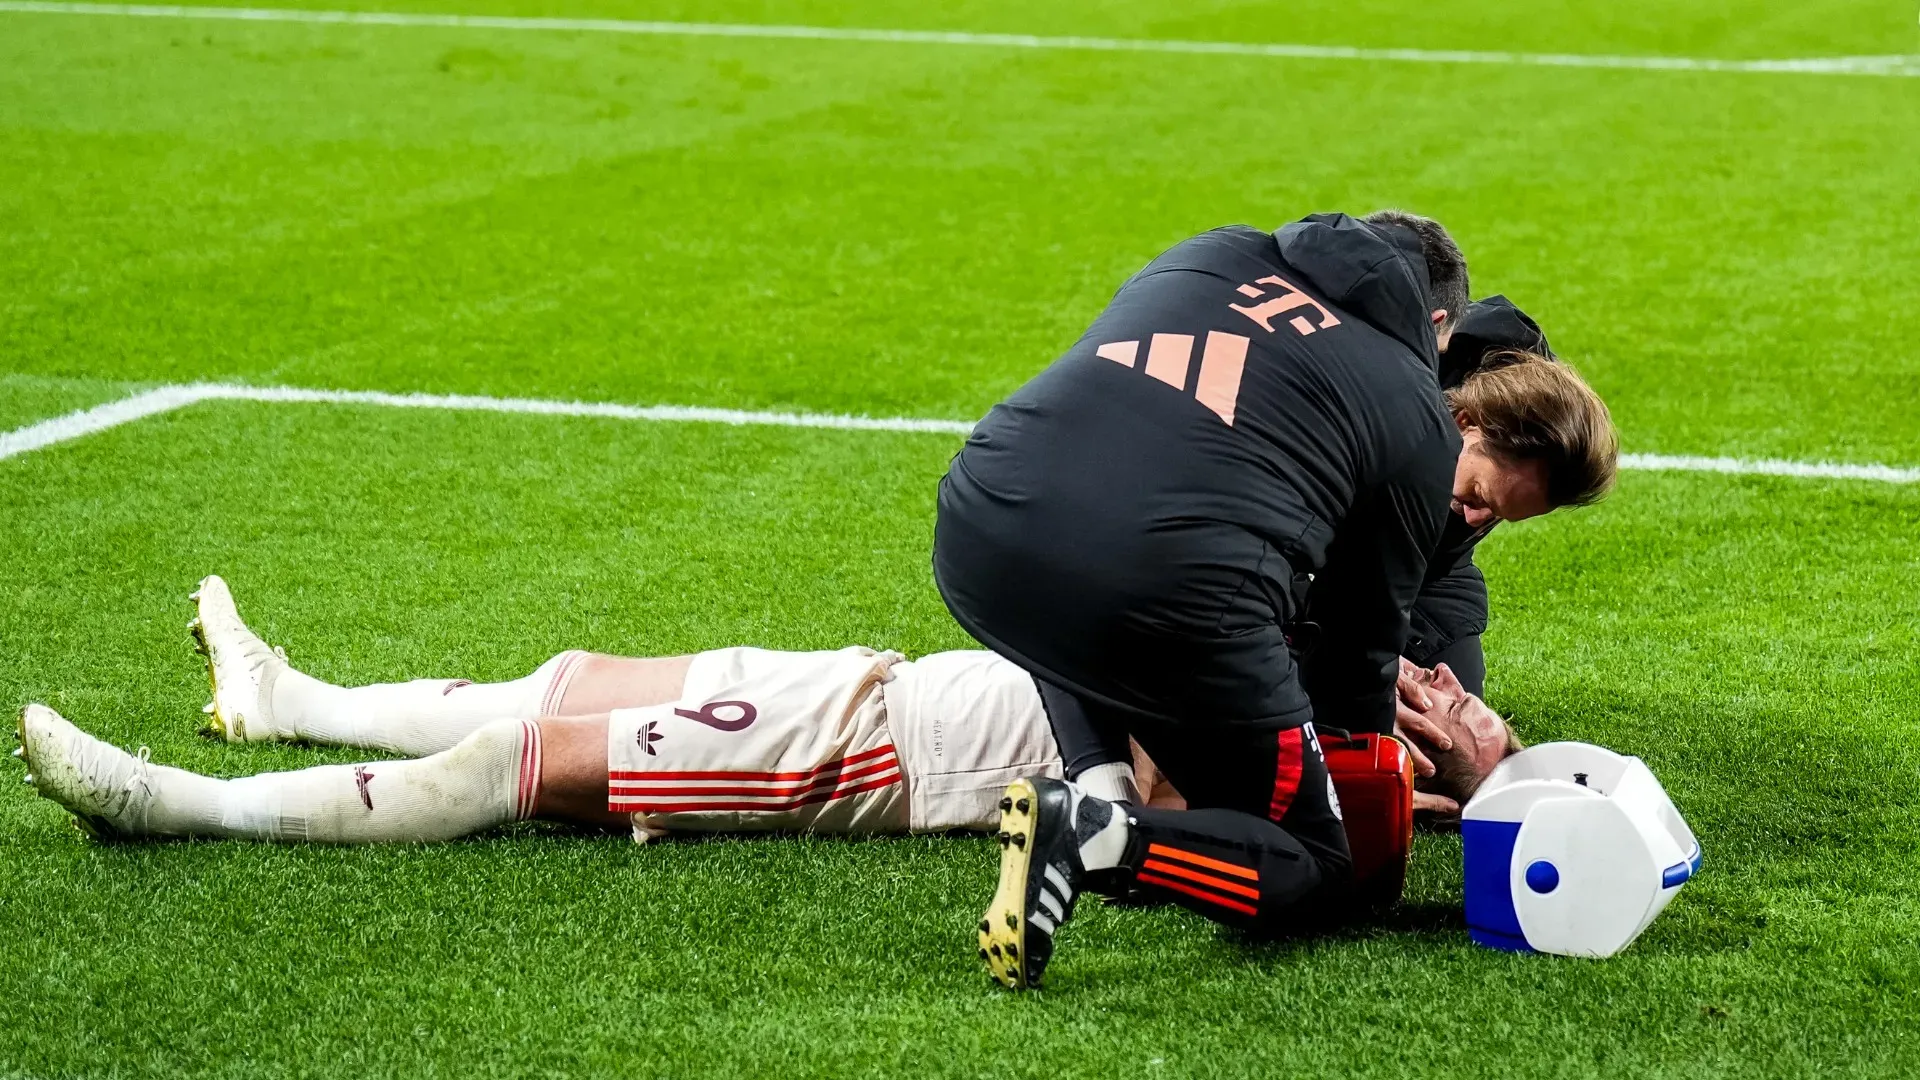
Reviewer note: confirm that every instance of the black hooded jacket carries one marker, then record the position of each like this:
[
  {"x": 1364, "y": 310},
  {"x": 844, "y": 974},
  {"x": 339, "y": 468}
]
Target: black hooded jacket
[
  {"x": 1251, "y": 408},
  {"x": 1453, "y": 599},
  {"x": 1488, "y": 326}
]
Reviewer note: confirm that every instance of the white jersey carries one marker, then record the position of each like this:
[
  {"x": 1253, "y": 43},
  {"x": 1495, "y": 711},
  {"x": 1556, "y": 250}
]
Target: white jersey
[{"x": 853, "y": 741}]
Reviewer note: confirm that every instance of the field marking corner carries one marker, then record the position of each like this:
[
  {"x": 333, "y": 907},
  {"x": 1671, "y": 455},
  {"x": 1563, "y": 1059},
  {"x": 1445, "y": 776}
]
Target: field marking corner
[
  {"x": 98, "y": 418},
  {"x": 164, "y": 399}
]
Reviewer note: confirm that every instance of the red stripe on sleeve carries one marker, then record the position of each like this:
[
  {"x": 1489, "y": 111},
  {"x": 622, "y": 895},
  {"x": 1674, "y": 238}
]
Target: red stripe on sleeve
[{"x": 1286, "y": 774}]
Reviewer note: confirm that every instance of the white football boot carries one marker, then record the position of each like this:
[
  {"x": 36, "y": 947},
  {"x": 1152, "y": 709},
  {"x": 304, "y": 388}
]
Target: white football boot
[
  {"x": 241, "y": 668},
  {"x": 108, "y": 791}
]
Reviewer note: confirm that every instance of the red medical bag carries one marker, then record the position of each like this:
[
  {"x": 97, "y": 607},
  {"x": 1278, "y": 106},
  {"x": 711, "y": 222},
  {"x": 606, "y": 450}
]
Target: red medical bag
[{"x": 1374, "y": 778}]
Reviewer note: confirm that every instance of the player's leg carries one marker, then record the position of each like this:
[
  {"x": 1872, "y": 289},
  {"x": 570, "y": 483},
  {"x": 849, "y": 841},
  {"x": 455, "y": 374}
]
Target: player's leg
[
  {"x": 1262, "y": 833},
  {"x": 573, "y": 773},
  {"x": 602, "y": 683},
  {"x": 258, "y": 695},
  {"x": 506, "y": 770},
  {"x": 1095, "y": 751},
  {"x": 1266, "y": 837}
]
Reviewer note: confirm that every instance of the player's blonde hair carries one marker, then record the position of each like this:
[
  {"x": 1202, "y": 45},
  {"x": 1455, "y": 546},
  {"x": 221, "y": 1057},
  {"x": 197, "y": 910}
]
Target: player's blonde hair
[{"x": 1532, "y": 408}]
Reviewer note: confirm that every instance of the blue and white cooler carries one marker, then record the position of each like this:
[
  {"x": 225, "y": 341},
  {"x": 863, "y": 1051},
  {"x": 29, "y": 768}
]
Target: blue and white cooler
[{"x": 1571, "y": 849}]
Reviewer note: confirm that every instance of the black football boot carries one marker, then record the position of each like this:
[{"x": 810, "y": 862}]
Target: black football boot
[{"x": 1043, "y": 823}]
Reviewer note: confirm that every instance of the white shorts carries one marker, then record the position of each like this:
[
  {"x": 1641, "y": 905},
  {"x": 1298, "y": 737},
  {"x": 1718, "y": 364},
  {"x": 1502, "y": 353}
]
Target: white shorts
[
  {"x": 852, "y": 741},
  {"x": 967, "y": 724}
]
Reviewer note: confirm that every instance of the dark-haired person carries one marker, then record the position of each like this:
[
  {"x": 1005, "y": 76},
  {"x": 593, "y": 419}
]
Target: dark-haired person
[
  {"x": 1253, "y": 414},
  {"x": 1452, "y": 610}
]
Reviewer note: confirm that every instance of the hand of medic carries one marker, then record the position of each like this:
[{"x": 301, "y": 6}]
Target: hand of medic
[{"x": 1410, "y": 722}]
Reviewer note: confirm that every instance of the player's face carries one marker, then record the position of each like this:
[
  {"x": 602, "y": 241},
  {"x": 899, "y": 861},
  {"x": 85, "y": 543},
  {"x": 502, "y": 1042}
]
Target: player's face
[
  {"x": 1488, "y": 488},
  {"x": 1478, "y": 731}
]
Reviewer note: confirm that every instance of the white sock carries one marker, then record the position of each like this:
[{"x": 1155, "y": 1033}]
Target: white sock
[
  {"x": 425, "y": 716},
  {"x": 184, "y": 803},
  {"x": 490, "y": 778},
  {"x": 1112, "y": 782},
  {"x": 1103, "y": 828}
]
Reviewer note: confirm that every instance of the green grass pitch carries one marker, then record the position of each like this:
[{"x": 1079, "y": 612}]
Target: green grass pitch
[{"x": 899, "y": 229}]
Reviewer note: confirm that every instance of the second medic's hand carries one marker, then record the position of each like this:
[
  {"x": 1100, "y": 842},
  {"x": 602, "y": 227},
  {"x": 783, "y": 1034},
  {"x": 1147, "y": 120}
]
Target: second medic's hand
[
  {"x": 1414, "y": 699},
  {"x": 1422, "y": 765}
]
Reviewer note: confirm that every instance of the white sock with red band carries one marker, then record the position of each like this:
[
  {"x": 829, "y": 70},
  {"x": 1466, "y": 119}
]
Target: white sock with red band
[
  {"x": 425, "y": 716},
  {"x": 491, "y": 777}
]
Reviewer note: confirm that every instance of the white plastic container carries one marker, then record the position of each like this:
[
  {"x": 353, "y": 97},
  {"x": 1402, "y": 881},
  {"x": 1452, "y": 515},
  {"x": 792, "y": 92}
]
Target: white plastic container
[{"x": 1571, "y": 849}]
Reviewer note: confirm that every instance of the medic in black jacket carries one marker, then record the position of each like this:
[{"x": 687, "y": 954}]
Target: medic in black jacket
[
  {"x": 1138, "y": 524},
  {"x": 1255, "y": 419}
]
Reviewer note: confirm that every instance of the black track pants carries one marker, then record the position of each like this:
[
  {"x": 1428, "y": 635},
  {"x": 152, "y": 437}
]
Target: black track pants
[
  {"x": 1262, "y": 833},
  {"x": 1086, "y": 739}
]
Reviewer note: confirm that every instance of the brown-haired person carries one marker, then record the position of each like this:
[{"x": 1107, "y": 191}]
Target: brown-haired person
[
  {"x": 1452, "y": 611},
  {"x": 1254, "y": 414}
]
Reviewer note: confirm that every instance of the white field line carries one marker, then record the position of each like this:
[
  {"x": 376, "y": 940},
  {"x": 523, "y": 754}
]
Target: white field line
[
  {"x": 1899, "y": 66},
  {"x": 99, "y": 418},
  {"x": 168, "y": 398},
  {"x": 471, "y": 403},
  {"x": 1814, "y": 470}
]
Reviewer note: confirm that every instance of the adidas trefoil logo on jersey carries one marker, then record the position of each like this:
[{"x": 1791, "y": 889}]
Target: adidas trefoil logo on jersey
[{"x": 647, "y": 737}]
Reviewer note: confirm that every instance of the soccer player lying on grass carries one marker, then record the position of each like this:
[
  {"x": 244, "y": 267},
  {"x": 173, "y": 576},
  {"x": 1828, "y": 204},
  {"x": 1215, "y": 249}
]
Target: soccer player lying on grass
[{"x": 853, "y": 742}]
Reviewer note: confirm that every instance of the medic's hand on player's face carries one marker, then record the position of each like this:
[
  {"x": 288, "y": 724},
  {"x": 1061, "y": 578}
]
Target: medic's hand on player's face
[
  {"x": 1480, "y": 731},
  {"x": 1473, "y": 730},
  {"x": 1479, "y": 735},
  {"x": 1411, "y": 722}
]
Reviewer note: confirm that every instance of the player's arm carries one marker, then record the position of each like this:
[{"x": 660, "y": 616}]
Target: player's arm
[
  {"x": 1366, "y": 593},
  {"x": 1445, "y": 625}
]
